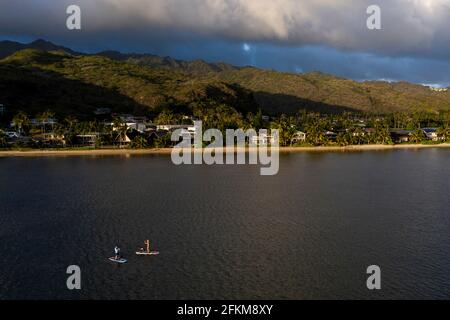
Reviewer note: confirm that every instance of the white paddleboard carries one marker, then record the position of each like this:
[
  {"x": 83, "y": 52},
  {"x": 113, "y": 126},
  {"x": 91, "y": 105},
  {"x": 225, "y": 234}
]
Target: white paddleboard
[
  {"x": 121, "y": 260},
  {"x": 152, "y": 253}
]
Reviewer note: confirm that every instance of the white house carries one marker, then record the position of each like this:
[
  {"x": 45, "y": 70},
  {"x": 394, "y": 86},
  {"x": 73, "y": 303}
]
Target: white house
[
  {"x": 431, "y": 133},
  {"x": 12, "y": 134},
  {"x": 299, "y": 136},
  {"x": 170, "y": 127},
  {"x": 262, "y": 139},
  {"x": 138, "y": 126}
]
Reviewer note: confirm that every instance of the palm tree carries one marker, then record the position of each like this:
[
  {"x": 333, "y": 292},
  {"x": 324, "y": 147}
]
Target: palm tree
[
  {"x": 286, "y": 127},
  {"x": 20, "y": 121},
  {"x": 71, "y": 122},
  {"x": 343, "y": 139},
  {"x": 315, "y": 131},
  {"x": 382, "y": 134},
  {"x": 3, "y": 139},
  {"x": 443, "y": 133},
  {"x": 121, "y": 128},
  {"x": 139, "y": 142},
  {"x": 44, "y": 117},
  {"x": 417, "y": 136}
]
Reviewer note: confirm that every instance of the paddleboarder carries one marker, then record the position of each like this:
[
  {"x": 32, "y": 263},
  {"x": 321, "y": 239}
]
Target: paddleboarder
[{"x": 117, "y": 252}]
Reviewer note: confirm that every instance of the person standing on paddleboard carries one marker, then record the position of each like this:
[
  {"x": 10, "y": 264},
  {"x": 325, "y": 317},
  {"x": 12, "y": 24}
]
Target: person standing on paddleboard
[{"x": 117, "y": 252}]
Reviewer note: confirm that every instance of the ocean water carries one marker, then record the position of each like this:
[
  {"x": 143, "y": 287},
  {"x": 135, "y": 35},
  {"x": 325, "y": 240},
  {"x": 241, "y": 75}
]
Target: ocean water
[{"x": 225, "y": 232}]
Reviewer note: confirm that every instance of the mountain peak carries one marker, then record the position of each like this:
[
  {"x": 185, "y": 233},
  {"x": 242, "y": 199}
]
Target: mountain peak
[{"x": 41, "y": 41}]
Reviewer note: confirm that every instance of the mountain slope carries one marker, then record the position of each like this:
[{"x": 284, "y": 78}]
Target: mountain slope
[
  {"x": 35, "y": 80},
  {"x": 150, "y": 83},
  {"x": 279, "y": 92},
  {"x": 7, "y": 48}
]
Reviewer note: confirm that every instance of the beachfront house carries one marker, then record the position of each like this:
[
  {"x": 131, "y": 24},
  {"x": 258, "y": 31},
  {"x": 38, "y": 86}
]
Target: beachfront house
[
  {"x": 138, "y": 126},
  {"x": 49, "y": 139},
  {"x": 87, "y": 140},
  {"x": 298, "y": 137},
  {"x": 400, "y": 136},
  {"x": 262, "y": 139},
  {"x": 14, "y": 137},
  {"x": 123, "y": 140},
  {"x": 332, "y": 136}
]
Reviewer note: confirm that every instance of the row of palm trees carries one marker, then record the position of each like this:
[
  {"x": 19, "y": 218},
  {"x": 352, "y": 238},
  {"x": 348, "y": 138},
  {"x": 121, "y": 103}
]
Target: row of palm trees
[
  {"x": 350, "y": 132},
  {"x": 69, "y": 127},
  {"x": 315, "y": 126}
]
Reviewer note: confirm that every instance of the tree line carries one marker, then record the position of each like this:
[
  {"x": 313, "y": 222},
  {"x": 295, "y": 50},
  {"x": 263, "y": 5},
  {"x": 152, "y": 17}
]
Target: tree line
[{"x": 321, "y": 129}]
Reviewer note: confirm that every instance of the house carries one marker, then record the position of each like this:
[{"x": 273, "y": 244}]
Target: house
[
  {"x": 400, "y": 136},
  {"x": 123, "y": 140},
  {"x": 12, "y": 134},
  {"x": 154, "y": 135},
  {"x": 171, "y": 127},
  {"x": 88, "y": 140},
  {"x": 262, "y": 139},
  {"x": 369, "y": 131},
  {"x": 40, "y": 123},
  {"x": 132, "y": 118},
  {"x": 49, "y": 139},
  {"x": 2, "y": 109},
  {"x": 332, "y": 136},
  {"x": 431, "y": 134},
  {"x": 138, "y": 126},
  {"x": 298, "y": 137},
  {"x": 13, "y": 137},
  {"x": 102, "y": 111}
]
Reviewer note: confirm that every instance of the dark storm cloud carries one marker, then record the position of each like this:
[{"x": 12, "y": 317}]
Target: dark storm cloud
[{"x": 328, "y": 35}]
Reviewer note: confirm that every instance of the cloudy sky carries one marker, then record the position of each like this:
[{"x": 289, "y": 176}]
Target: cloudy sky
[{"x": 289, "y": 35}]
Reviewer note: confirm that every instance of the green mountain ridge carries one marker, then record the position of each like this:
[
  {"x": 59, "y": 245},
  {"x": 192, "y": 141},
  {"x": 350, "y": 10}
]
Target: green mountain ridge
[
  {"x": 35, "y": 80},
  {"x": 42, "y": 75}
]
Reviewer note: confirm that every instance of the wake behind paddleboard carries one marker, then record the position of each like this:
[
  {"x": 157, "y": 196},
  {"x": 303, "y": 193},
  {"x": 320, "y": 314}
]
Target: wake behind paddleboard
[{"x": 121, "y": 260}]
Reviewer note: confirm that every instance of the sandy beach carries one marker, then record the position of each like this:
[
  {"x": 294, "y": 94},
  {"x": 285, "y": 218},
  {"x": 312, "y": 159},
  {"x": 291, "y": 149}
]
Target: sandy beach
[{"x": 127, "y": 152}]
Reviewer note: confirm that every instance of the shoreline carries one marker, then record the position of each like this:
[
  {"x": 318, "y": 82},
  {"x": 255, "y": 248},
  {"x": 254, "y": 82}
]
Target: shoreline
[{"x": 168, "y": 151}]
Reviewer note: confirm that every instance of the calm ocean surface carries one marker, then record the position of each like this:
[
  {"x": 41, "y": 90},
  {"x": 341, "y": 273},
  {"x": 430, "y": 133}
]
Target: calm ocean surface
[{"x": 225, "y": 232}]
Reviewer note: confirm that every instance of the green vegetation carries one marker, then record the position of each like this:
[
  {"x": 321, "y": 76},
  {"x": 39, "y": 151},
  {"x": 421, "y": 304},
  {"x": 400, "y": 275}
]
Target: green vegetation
[
  {"x": 305, "y": 128},
  {"x": 45, "y": 81}
]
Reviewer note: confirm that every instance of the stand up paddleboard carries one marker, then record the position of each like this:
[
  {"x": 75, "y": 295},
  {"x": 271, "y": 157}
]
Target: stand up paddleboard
[
  {"x": 143, "y": 253},
  {"x": 121, "y": 260},
  {"x": 147, "y": 252}
]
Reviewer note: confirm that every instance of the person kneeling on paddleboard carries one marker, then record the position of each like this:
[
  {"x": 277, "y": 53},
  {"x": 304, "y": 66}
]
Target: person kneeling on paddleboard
[{"x": 117, "y": 252}]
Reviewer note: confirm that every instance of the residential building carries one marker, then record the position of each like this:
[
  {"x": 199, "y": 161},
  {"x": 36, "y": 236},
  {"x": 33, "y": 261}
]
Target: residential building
[
  {"x": 298, "y": 137},
  {"x": 171, "y": 127},
  {"x": 400, "y": 136},
  {"x": 332, "y": 136},
  {"x": 102, "y": 111},
  {"x": 431, "y": 134},
  {"x": 262, "y": 139},
  {"x": 87, "y": 139}
]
